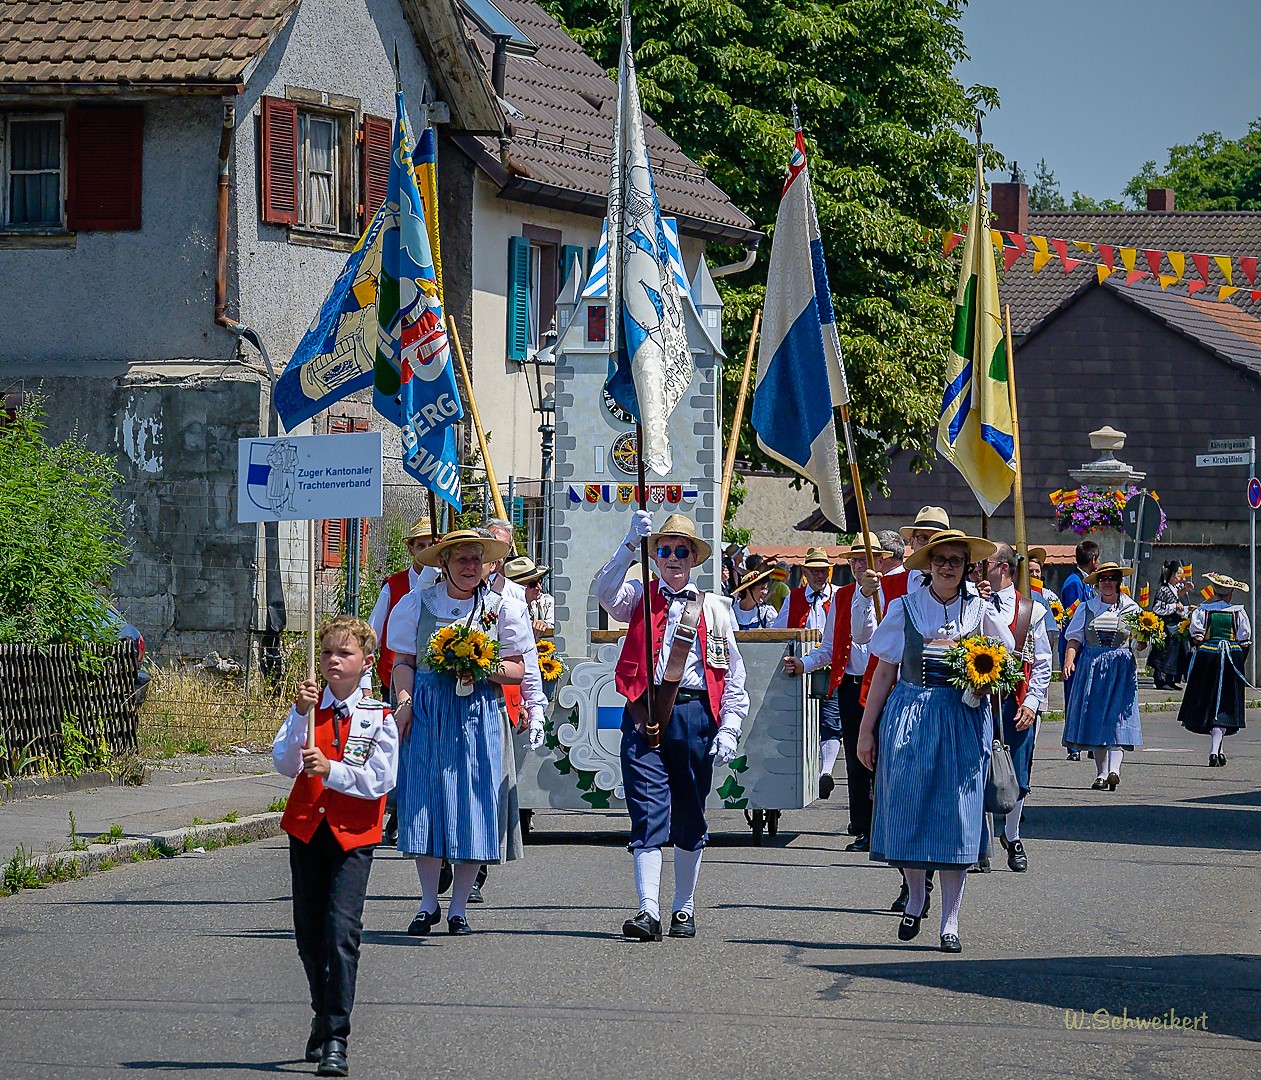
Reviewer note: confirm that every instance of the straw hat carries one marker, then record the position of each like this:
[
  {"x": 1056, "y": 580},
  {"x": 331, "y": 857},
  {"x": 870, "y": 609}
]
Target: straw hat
[
  {"x": 1222, "y": 581},
  {"x": 752, "y": 579},
  {"x": 1039, "y": 554},
  {"x": 492, "y": 550},
  {"x": 978, "y": 548},
  {"x": 1108, "y": 568},
  {"x": 420, "y": 530},
  {"x": 678, "y": 525},
  {"x": 817, "y": 559},
  {"x": 858, "y": 551},
  {"x": 929, "y": 517},
  {"x": 523, "y": 570}
]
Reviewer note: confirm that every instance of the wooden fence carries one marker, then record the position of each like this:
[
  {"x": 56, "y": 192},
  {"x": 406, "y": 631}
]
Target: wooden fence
[{"x": 39, "y": 689}]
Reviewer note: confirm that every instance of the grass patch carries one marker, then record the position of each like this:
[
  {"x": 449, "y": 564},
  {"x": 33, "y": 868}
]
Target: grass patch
[
  {"x": 115, "y": 833},
  {"x": 277, "y": 806},
  {"x": 230, "y": 817},
  {"x": 20, "y": 872}
]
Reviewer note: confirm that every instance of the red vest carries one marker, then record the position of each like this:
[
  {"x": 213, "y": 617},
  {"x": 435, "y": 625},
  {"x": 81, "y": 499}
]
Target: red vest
[
  {"x": 891, "y": 588},
  {"x": 399, "y": 585},
  {"x": 799, "y": 608},
  {"x": 630, "y": 677},
  {"x": 1022, "y": 687},
  {"x": 842, "y": 636},
  {"x": 355, "y": 822}
]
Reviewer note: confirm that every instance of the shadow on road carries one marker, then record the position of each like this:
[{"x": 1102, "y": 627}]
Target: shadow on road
[
  {"x": 1179, "y": 825},
  {"x": 295, "y": 1067}
]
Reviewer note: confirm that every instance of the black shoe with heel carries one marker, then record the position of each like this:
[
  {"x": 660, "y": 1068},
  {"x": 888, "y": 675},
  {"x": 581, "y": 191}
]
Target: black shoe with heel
[
  {"x": 424, "y": 922},
  {"x": 950, "y": 943},
  {"x": 682, "y": 924},
  {"x": 1017, "y": 860},
  {"x": 643, "y": 927},
  {"x": 1113, "y": 780},
  {"x": 457, "y": 926}
]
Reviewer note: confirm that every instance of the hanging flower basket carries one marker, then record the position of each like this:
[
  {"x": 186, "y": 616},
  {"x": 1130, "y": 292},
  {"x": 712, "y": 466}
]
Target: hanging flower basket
[{"x": 1084, "y": 511}]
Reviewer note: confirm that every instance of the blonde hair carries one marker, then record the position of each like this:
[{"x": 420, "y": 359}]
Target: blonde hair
[{"x": 349, "y": 626}]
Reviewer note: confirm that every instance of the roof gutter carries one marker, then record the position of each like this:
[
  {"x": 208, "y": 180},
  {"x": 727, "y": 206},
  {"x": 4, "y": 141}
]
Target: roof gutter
[{"x": 222, "y": 318}]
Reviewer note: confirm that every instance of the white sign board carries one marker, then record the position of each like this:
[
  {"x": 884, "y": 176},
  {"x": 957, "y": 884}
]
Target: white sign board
[
  {"x": 1208, "y": 460},
  {"x": 309, "y": 477},
  {"x": 1225, "y": 446}
]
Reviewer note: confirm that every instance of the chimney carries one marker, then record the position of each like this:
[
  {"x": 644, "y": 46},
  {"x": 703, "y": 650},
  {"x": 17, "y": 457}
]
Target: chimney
[
  {"x": 1160, "y": 200},
  {"x": 1009, "y": 205},
  {"x": 499, "y": 64}
]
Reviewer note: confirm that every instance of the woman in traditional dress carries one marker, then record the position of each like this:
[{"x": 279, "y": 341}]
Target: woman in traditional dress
[
  {"x": 450, "y": 758},
  {"x": 1102, "y": 714},
  {"x": 1214, "y": 702},
  {"x": 1166, "y": 662},
  {"x": 752, "y": 610},
  {"x": 933, "y": 751}
]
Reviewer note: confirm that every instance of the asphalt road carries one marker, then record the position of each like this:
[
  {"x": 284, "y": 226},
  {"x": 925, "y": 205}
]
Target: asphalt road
[{"x": 1137, "y": 903}]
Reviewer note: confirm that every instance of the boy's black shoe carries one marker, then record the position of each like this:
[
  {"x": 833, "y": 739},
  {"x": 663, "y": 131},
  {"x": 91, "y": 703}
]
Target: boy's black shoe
[
  {"x": 643, "y": 927},
  {"x": 682, "y": 925},
  {"x": 424, "y": 922},
  {"x": 333, "y": 1059},
  {"x": 315, "y": 1041}
]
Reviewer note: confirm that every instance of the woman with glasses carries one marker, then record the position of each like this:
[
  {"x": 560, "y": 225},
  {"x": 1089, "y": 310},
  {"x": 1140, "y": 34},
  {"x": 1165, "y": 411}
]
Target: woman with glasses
[
  {"x": 929, "y": 751},
  {"x": 1102, "y": 714},
  {"x": 751, "y": 609}
]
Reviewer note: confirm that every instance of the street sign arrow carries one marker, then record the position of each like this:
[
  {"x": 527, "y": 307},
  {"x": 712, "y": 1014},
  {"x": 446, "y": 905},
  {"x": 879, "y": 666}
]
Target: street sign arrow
[{"x": 1203, "y": 461}]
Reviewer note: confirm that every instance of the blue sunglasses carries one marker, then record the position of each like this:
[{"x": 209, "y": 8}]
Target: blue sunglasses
[{"x": 681, "y": 551}]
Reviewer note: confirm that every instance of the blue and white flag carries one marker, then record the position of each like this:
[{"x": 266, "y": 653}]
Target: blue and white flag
[
  {"x": 597, "y": 283},
  {"x": 800, "y": 375},
  {"x": 414, "y": 378},
  {"x": 651, "y": 365}
]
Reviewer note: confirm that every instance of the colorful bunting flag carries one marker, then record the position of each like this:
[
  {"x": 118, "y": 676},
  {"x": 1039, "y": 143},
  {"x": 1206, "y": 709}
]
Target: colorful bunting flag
[
  {"x": 1178, "y": 261},
  {"x": 1224, "y": 265},
  {"x": 1154, "y": 259}
]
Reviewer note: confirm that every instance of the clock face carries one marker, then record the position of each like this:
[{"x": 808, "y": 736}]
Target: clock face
[
  {"x": 615, "y": 410},
  {"x": 625, "y": 453}
]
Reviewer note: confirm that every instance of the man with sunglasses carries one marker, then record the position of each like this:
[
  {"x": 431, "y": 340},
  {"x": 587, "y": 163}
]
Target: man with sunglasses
[{"x": 667, "y": 784}]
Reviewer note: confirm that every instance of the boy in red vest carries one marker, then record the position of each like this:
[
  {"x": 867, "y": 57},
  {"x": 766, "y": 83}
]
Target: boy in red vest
[
  {"x": 333, "y": 819},
  {"x": 418, "y": 538},
  {"x": 667, "y": 785}
]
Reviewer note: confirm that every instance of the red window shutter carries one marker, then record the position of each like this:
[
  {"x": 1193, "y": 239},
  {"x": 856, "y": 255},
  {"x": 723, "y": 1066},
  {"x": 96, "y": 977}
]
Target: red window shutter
[
  {"x": 374, "y": 161},
  {"x": 280, "y": 161},
  {"x": 334, "y": 541},
  {"x": 104, "y": 155},
  {"x": 337, "y": 531}
]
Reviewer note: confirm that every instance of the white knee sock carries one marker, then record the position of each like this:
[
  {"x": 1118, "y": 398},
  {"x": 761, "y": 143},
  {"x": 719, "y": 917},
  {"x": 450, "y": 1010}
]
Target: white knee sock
[
  {"x": 464, "y": 875},
  {"x": 1011, "y": 827},
  {"x": 916, "y": 892},
  {"x": 829, "y": 749},
  {"x": 428, "y": 869},
  {"x": 1219, "y": 733},
  {"x": 648, "y": 879},
  {"x": 687, "y": 868},
  {"x": 1114, "y": 761},
  {"x": 1101, "y": 761},
  {"x": 952, "y": 882}
]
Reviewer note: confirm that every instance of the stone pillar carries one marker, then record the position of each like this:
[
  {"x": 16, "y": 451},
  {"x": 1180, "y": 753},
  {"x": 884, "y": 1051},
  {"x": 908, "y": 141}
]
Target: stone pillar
[{"x": 1107, "y": 473}]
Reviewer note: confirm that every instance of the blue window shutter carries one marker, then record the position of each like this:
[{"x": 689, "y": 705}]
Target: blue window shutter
[
  {"x": 518, "y": 297},
  {"x": 569, "y": 254}
]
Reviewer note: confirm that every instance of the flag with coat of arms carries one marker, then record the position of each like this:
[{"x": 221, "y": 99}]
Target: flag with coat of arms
[
  {"x": 976, "y": 432},
  {"x": 651, "y": 365},
  {"x": 800, "y": 372}
]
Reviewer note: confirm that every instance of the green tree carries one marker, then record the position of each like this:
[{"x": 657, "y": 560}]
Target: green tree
[
  {"x": 62, "y": 532},
  {"x": 886, "y": 128},
  {"x": 1212, "y": 173},
  {"x": 1044, "y": 194},
  {"x": 1085, "y": 202}
]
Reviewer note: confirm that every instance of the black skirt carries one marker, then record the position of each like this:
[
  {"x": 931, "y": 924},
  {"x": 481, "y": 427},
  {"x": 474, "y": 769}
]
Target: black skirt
[
  {"x": 1214, "y": 695},
  {"x": 1170, "y": 662}
]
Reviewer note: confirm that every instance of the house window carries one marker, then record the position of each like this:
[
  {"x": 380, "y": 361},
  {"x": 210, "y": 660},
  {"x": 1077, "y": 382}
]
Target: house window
[
  {"x": 534, "y": 270},
  {"x": 309, "y": 163},
  {"x": 35, "y": 172},
  {"x": 77, "y": 171}
]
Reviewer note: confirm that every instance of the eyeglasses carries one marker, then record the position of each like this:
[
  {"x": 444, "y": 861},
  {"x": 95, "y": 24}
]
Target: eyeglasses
[
  {"x": 681, "y": 551},
  {"x": 941, "y": 562},
  {"x": 1114, "y": 578}
]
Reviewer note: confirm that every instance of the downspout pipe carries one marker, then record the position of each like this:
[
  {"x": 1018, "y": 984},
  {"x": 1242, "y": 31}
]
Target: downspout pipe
[
  {"x": 222, "y": 318},
  {"x": 750, "y": 257}
]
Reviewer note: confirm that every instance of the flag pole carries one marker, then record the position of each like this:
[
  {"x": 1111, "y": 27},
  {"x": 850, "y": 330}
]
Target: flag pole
[
  {"x": 729, "y": 467},
  {"x": 1022, "y": 539},
  {"x": 652, "y": 730},
  {"x": 310, "y": 624},
  {"x": 857, "y": 482},
  {"x": 477, "y": 421}
]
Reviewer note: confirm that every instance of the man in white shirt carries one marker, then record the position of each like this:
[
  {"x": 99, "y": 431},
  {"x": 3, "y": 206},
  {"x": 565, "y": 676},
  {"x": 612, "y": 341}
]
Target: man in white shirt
[
  {"x": 1020, "y": 709},
  {"x": 418, "y": 538},
  {"x": 541, "y": 606},
  {"x": 668, "y": 761}
]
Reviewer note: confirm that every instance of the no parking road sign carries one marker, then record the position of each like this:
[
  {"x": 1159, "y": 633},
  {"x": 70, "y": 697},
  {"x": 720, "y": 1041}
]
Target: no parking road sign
[{"x": 1254, "y": 493}]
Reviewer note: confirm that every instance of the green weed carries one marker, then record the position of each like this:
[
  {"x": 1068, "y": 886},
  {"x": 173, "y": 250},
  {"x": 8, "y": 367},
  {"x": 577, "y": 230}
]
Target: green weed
[
  {"x": 19, "y": 872},
  {"x": 77, "y": 843},
  {"x": 277, "y": 806}
]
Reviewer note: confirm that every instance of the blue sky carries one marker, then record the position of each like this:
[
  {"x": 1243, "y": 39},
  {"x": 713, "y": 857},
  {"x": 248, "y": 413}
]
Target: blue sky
[{"x": 1098, "y": 87}]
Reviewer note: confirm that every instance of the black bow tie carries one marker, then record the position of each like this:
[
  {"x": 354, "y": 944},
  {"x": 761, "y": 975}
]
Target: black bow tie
[
  {"x": 682, "y": 594},
  {"x": 340, "y": 713},
  {"x": 815, "y": 597},
  {"x": 998, "y": 601}
]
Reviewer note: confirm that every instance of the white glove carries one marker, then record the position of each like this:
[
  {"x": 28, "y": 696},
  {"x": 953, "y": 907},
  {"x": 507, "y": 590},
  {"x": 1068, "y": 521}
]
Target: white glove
[
  {"x": 724, "y": 747},
  {"x": 640, "y": 528},
  {"x": 536, "y": 732}
]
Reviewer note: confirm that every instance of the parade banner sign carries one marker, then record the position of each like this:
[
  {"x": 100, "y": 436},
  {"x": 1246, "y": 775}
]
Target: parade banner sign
[{"x": 309, "y": 477}]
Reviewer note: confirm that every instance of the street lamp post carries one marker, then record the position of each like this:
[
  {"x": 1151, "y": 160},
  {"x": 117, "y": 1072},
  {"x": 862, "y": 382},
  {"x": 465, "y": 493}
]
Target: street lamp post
[{"x": 543, "y": 399}]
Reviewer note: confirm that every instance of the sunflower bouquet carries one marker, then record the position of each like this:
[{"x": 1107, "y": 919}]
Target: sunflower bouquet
[
  {"x": 1146, "y": 628},
  {"x": 981, "y": 666},
  {"x": 1059, "y": 614},
  {"x": 550, "y": 665},
  {"x": 466, "y": 652}
]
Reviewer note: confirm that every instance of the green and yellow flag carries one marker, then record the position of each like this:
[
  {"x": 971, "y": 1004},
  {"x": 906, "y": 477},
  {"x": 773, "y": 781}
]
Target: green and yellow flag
[{"x": 976, "y": 433}]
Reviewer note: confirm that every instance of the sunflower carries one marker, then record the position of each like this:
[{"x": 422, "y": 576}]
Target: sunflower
[
  {"x": 984, "y": 664},
  {"x": 1149, "y": 621},
  {"x": 550, "y": 668},
  {"x": 1184, "y": 628},
  {"x": 546, "y": 647},
  {"x": 462, "y": 649}
]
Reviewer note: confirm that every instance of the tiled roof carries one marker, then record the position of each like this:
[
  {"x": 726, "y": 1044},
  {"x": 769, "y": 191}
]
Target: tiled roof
[
  {"x": 562, "y": 128},
  {"x": 140, "y": 43},
  {"x": 1032, "y": 298}
]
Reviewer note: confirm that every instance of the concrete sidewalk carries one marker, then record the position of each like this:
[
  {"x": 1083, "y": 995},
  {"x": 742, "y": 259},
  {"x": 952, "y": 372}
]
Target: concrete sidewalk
[{"x": 176, "y": 793}]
